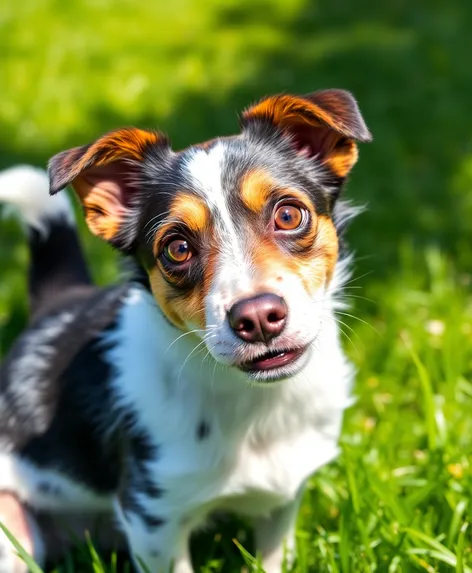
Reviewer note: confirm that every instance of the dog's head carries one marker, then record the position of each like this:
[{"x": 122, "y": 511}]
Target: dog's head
[{"x": 237, "y": 233}]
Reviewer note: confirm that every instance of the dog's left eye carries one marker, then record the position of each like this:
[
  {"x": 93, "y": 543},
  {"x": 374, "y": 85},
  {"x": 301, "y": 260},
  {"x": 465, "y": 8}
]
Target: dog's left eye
[
  {"x": 178, "y": 251},
  {"x": 288, "y": 217}
]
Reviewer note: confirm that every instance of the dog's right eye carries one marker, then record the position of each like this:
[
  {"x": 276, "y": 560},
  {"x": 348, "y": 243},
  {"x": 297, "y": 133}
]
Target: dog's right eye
[
  {"x": 288, "y": 217},
  {"x": 178, "y": 251}
]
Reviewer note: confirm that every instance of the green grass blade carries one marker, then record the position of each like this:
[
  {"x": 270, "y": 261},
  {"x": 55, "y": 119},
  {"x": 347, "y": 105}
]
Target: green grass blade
[
  {"x": 98, "y": 566},
  {"x": 428, "y": 396},
  {"x": 434, "y": 548},
  {"x": 456, "y": 520},
  {"x": 32, "y": 566},
  {"x": 253, "y": 563},
  {"x": 461, "y": 548}
]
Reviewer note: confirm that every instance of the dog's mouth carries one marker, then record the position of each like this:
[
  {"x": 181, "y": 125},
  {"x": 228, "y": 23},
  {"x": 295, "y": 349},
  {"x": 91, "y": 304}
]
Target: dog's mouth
[{"x": 273, "y": 362}]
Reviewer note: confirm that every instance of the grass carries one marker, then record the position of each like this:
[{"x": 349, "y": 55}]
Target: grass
[{"x": 398, "y": 497}]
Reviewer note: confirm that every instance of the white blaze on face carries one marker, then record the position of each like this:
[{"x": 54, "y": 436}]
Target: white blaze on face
[{"x": 232, "y": 268}]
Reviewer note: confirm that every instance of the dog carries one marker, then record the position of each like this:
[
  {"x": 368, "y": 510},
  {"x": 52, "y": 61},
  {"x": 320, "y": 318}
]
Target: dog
[{"x": 214, "y": 379}]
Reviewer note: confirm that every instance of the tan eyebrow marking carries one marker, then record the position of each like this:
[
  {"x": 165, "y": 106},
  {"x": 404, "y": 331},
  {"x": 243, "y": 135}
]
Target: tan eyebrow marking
[
  {"x": 191, "y": 210},
  {"x": 256, "y": 188}
]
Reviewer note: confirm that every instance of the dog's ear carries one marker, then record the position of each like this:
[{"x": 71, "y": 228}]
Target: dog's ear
[
  {"x": 324, "y": 125},
  {"x": 105, "y": 177}
]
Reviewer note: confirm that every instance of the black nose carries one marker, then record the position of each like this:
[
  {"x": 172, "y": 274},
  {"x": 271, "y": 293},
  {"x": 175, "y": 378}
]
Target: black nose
[{"x": 258, "y": 319}]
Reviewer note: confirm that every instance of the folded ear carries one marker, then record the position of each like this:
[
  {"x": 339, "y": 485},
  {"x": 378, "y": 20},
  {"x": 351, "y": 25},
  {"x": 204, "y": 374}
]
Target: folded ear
[
  {"x": 324, "y": 125},
  {"x": 105, "y": 177}
]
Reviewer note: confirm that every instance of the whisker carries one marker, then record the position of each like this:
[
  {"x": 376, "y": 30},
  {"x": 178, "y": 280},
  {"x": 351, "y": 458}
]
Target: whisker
[
  {"x": 340, "y": 291},
  {"x": 198, "y": 310},
  {"x": 357, "y": 278},
  {"x": 195, "y": 330},
  {"x": 215, "y": 366},
  {"x": 189, "y": 355},
  {"x": 353, "y": 316},
  {"x": 344, "y": 333},
  {"x": 340, "y": 324},
  {"x": 341, "y": 296}
]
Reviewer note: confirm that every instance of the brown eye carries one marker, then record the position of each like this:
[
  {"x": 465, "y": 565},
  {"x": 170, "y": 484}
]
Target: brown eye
[
  {"x": 178, "y": 251},
  {"x": 288, "y": 217}
]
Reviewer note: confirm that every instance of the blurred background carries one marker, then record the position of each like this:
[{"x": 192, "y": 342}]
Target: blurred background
[{"x": 71, "y": 70}]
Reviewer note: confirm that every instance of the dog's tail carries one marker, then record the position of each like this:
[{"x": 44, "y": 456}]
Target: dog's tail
[{"x": 56, "y": 259}]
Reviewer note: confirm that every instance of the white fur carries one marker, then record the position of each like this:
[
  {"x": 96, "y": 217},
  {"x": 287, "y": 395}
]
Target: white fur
[
  {"x": 63, "y": 494},
  {"x": 264, "y": 442},
  {"x": 26, "y": 188},
  {"x": 205, "y": 169},
  {"x": 38, "y": 349}
]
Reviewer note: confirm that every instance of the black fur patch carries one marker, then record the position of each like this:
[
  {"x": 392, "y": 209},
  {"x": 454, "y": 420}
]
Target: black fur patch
[
  {"x": 203, "y": 430},
  {"x": 57, "y": 419},
  {"x": 141, "y": 450},
  {"x": 137, "y": 484},
  {"x": 56, "y": 265},
  {"x": 152, "y": 521},
  {"x": 49, "y": 489}
]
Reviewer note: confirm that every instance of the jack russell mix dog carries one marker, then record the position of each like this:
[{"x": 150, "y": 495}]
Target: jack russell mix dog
[{"x": 214, "y": 381}]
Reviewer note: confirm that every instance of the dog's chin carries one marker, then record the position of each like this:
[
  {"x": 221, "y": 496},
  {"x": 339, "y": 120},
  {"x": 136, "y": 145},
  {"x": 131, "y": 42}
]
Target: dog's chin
[{"x": 276, "y": 365}]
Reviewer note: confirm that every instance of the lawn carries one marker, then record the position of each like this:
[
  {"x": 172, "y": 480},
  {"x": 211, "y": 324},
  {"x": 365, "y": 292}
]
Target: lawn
[{"x": 398, "y": 497}]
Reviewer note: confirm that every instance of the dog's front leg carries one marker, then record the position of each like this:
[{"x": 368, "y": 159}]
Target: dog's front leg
[
  {"x": 157, "y": 536},
  {"x": 275, "y": 536},
  {"x": 157, "y": 544}
]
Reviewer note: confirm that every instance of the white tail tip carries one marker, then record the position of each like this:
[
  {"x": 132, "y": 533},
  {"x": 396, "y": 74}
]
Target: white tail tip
[{"x": 26, "y": 189}]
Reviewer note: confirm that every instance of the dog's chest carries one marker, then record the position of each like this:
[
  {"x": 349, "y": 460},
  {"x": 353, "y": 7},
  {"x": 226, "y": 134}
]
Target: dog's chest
[
  {"x": 219, "y": 443},
  {"x": 266, "y": 476},
  {"x": 238, "y": 463}
]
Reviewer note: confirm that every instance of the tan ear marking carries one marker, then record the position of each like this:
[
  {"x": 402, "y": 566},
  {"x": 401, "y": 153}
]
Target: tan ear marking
[
  {"x": 130, "y": 143},
  {"x": 324, "y": 125}
]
